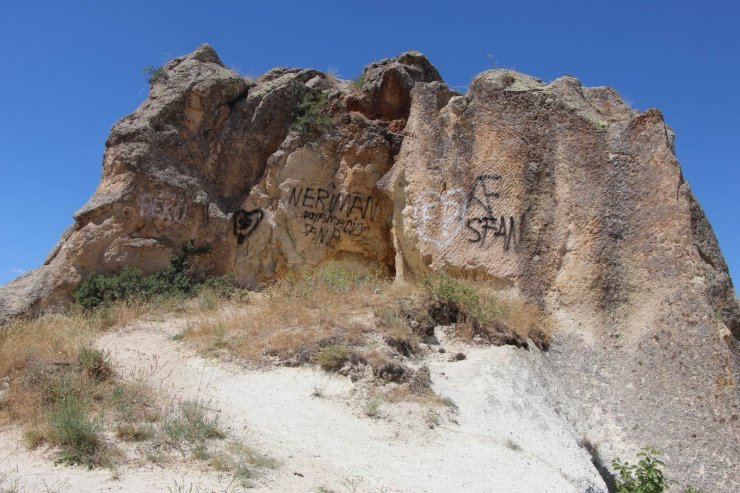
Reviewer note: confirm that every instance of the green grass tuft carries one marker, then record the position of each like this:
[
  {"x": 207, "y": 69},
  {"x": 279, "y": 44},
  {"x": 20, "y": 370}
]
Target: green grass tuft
[
  {"x": 358, "y": 82},
  {"x": 76, "y": 434},
  {"x": 455, "y": 300},
  {"x": 311, "y": 114},
  {"x": 191, "y": 423},
  {"x": 154, "y": 74},
  {"x": 95, "y": 363},
  {"x": 331, "y": 358}
]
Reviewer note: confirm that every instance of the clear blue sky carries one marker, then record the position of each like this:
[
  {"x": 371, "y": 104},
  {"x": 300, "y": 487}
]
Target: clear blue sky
[{"x": 70, "y": 69}]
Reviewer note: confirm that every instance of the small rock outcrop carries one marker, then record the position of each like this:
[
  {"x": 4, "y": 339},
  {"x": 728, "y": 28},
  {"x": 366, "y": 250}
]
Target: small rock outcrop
[{"x": 562, "y": 193}]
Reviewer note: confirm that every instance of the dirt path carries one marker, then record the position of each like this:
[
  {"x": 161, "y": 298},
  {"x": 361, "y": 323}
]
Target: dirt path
[{"x": 507, "y": 437}]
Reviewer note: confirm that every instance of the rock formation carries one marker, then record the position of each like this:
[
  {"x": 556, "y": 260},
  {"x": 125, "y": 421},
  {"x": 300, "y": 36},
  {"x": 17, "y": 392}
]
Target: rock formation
[{"x": 559, "y": 192}]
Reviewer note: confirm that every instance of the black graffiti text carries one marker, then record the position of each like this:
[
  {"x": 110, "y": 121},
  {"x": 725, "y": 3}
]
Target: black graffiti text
[
  {"x": 327, "y": 216},
  {"x": 481, "y": 193},
  {"x": 337, "y": 203},
  {"x": 482, "y": 228}
]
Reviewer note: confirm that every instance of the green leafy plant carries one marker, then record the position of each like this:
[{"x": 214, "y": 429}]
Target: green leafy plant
[
  {"x": 154, "y": 74},
  {"x": 646, "y": 476},
  {"x": 311, "y": 113}
]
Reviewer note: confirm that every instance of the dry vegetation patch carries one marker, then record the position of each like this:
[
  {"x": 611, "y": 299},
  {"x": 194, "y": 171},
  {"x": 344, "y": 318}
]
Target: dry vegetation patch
[
  {"x": 302, "y": 318},
  {"x": 63, "y": 390},
  {"x": 480, "y": 314},
  {"x": 327, "y": 318},
  {"x": 370, "y": 329},
  {"x": 68, "y": 396}
]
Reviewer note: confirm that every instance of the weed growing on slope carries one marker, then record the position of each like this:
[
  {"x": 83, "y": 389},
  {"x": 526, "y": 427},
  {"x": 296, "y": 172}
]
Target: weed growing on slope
[
  {"x": 95, "y": 363},
  {"x": 154, "y": 74},
  {"x": 358, "y": 82},
  {"x": 480, "y": 314},
  {"x": 191, "y": 423},
  {"x": 331, "y": 358},
  {"x": 243, "y": 462},
  {"x": 452, "y": 300},
  {"x": 646, "y": 476},
  {"x": 77, "y": 435},
  {"x": 311, "y": 114},
  {"x": 371, "y": 408}
]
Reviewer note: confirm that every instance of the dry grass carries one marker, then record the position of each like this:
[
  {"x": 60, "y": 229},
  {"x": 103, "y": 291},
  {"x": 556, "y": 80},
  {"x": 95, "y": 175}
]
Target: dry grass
[
  {"x": 66, "y": 393},
  {"x": 298, "y": 317},
  {"x": 243, "y": 462},
  {"x": 34, "y": 351},
  {"x": 31, "y": 351},
  {"x": 60, "y": 386},
  {"x": 481, "y": 314},
  {"x": 418, "y": 389},
  {"x": 319, "y": 317},
  {"x": 513, "y": 322},
  {"x": 527, "y": 320}
]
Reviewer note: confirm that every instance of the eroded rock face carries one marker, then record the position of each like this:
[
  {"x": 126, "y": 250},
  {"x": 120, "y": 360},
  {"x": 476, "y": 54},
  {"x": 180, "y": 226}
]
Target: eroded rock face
[
  {"x": 562, "y": 193},
  {"x": 577, "y": 202}
]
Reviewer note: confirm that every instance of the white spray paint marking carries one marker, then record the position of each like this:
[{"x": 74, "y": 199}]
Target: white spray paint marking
[
  {"x": 165, "y": 209},
  {"x": 444, "y": 210}
]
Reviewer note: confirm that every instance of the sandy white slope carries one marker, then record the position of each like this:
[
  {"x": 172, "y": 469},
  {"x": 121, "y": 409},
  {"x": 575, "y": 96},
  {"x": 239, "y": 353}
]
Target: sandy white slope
[{"x": 505, "y": 437}]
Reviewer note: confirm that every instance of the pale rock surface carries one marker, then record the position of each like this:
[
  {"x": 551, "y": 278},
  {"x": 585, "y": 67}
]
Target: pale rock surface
[{"x": 578, "y": 202}]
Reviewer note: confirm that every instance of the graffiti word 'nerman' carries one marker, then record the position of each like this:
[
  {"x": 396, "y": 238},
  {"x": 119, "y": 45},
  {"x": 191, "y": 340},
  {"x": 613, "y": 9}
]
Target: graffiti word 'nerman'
[{"x": 334, "y": 202}]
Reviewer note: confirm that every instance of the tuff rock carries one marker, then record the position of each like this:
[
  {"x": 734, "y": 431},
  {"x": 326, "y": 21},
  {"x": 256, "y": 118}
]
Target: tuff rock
[{"x": 561, "y": 193}]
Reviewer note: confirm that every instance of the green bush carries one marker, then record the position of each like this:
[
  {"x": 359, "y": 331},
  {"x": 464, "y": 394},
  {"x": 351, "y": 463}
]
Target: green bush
[
  {"x": 100, "y": 290},
  {"x": 154, "y": 74},
  {"x": 644, "y": 477},
  {"x": 176, "y": 282},
  {"x": 311, "y": 113},
  {"x": 223, "y": 286}
]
